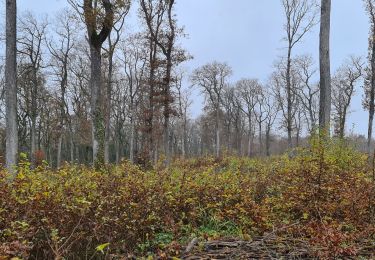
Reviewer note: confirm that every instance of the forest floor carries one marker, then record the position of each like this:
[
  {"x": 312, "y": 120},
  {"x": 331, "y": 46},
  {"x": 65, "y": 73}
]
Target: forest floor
[
  {"x": 266, "y": 247},
  {"x": 319, "y": 204}
]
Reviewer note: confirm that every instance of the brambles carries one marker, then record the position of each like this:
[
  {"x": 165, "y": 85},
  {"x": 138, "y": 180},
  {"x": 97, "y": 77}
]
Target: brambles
[{"x": 76, "y": 211}]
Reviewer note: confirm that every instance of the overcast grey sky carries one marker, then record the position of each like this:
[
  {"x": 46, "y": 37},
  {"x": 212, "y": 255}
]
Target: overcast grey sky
[{"x": 247, "y": 34}]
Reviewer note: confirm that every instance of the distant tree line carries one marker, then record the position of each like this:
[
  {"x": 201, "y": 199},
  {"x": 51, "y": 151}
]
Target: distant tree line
[{"x": 79, "y": 87}]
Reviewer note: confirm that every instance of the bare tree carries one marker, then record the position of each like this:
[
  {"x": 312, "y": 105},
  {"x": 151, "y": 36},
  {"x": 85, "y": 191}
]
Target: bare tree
[
  {"x": 133, "y": 57},
  {"x": 271, "y": 110},
  {"x": 260, "y": 115},
  {"x": 119, "y": 20},
  {"x": 11, "y": 84},
  {"x": 32, "y": 37},
  {"x": 325, "y": 67},
  {"x": 300, "y": 18},
  {"x": 343, "y": 88},
  {"x": 248, "y": 90},
  {"x": 184, "y": 102},
  {"x": 308, "y": 91},
  {"x": 212, "y": 78},
  {"x": 288, "y": 102},
  {"x": 60, "y": 50}
]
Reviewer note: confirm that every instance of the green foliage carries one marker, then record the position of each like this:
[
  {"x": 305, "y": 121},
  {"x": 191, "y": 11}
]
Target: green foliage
[{"x": 323, "y": 195}]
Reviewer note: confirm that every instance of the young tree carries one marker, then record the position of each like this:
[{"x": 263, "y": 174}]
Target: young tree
[
  {"x": 11, "y": 84},
  {"x": 300, "y": 18},
  {"x": 325, "y": 67}
]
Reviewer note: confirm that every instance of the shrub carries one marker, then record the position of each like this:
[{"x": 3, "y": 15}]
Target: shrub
[{"x": 323, "y": 195}]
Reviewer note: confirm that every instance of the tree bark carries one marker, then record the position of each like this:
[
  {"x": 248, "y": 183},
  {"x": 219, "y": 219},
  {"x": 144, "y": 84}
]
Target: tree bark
[
  {"x": 132, "y": 137},
  {"x": 250, "y": 139},
  {"x": 217, "y": 132},
  {"x": 325, "y": 68},
  {"x": 107, "y": 133},
  {"x": 59, "y": 147},
  {"x": 11, "y": 85},
  {"x": 289, "y": 98},
  {"x": 372, "y": 82},
  {"x": 96, "y": 106},
  {"x": 96, "y": 41},
  {"x": 268, "y": 144},
  {"x": 260, "y": 139}
]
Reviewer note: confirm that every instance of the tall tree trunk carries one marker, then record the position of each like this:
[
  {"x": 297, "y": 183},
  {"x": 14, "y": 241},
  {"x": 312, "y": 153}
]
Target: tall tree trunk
[
  {"x": 78, "y": 158},
  {"x": 118, "y": 143},
  {"x": 249, "y": 141},
  {"x": 33, "y": 138},
  {"x": 167, "y": 143},
  {"x": 11, "y": 85},
  {"x": 132, "y": 137},
  {"x": 268, "y": 143},
  {"x": 260, "y": 139},
  {"x": 59, "y": 148},
  {"x": 325, "y": 68},
  {"x": 372, "y": 87},
  {"x": 342, "y": 124},
  {"x": 289, "y": 98},
  {"x": 370, "y": 125},
  {"x": 71, "y": 148},
  {"x": 96, "y": 41},
  {"x": 107, "y": 133},
  {"x": 217, "y": 132},
  {"x": 184, "y": 138},
  {"x": 98, "y": 134}
]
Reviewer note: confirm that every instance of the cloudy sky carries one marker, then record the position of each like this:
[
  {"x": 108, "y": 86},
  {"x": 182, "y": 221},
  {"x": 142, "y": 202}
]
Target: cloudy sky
[{"x": 247, "y": 34}]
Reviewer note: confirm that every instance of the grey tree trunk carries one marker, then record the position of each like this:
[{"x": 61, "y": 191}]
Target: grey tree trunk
[
  {"x": 33, "y": 136},
  {"x": 98, "y": 134},
  {"x": 167, "y": 143},
  {"x": 132, "y": 138},
  {"x": 325, "y": 68},
  {"x": 260, "y": 139},
  {"x": 217, "y": 132},
  {"x": 249, "y": 141},
  {"x": 59, "y": 148},
  {"x": 96, "y": 41},
  {"x": 289, "y": 99},
  {"x": 370, "y": 126},
  {"x": 71, "y": 148},
  {"x": 117, "y": 151},
  {"x": 268, "y": 143},
  {"x": 372, "y": 84},
  {"x": 11, "y": 85},
  {"x": 107, "y": 133},
  {"x": 184, "y": 134}
]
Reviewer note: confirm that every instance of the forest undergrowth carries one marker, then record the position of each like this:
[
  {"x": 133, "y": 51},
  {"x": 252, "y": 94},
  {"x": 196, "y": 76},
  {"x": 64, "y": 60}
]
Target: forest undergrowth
[{"x": 324, "y": 195}]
